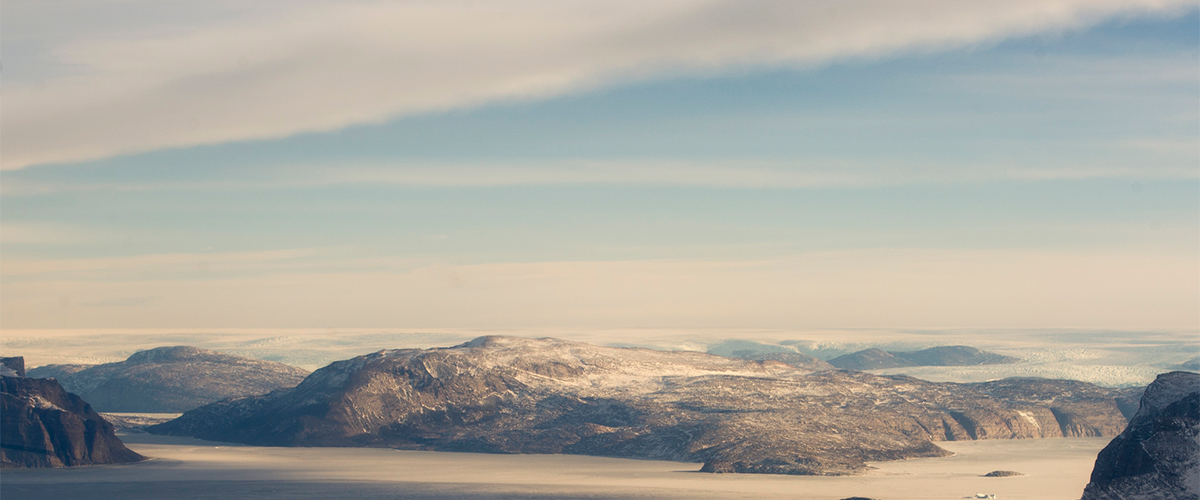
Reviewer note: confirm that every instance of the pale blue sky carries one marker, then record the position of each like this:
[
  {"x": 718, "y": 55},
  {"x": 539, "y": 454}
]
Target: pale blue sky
[{"x": 999, "y": 159}]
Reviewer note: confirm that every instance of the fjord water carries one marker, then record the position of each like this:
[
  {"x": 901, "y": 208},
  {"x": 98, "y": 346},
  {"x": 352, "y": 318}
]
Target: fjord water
[{"x": 194, "y": 469}]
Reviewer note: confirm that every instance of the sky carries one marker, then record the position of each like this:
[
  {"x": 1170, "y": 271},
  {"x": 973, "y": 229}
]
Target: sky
[{"x": 537, "y": 164}]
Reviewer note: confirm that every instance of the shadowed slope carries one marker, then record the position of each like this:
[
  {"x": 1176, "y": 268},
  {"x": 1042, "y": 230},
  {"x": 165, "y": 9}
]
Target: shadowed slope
[
  {"x": 42, "y": 425},
  {"x": 1158, "y": 455}
]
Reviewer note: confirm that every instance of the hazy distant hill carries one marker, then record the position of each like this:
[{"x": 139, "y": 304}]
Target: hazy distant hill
[
  {"x": 519, "y": 395},
  {"x": 56, "y": 371},
  {"x": 951, "y": 355},
  {"x": 746, "y": 349},
  {"x": 1191, "y": 364},
  {"x": 1158, "y": 455},
  {"x": 42, "y": 425},
  {"x": 171, "y": 379}
]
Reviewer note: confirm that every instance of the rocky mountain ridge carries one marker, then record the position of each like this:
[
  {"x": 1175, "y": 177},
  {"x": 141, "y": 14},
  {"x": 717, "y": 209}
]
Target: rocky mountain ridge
[
  {"x": 170, "y": 379},
  {"x": 1158, "y": 455},
  {"x": 42, "y": 425},
  {"x": 519, "y": 395}
]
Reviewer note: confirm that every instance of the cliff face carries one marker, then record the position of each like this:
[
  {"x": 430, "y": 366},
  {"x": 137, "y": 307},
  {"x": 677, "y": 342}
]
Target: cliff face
[
  {"x": 516, "y": 395},
  {"x": 171, "y": 379},
  {"x": 1158, "y": 455},
  {"x": 42, "y": 425}
]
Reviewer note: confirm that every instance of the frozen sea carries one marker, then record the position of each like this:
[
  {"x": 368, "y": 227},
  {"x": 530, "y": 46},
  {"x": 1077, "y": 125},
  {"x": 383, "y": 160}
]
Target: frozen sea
[{"x": 186, "y": 468}]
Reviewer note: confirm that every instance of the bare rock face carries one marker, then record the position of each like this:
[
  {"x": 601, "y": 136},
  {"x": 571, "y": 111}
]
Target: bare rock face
[
  {"x": 1158, "y": 455},
  {"x": 518, "y": 395},
  {"x": 171, "y": 379},
  {"x": 949, "y": 355},
  {"x": 42, "y": 425}
]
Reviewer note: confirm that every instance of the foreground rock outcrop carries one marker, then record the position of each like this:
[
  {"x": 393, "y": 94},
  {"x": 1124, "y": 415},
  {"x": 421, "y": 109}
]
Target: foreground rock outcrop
[
  {"x": 171, "y": 379},
  {"x": 518, "y": 395},
  {"x": 1158, "y": 455},
  {"x": 948, "y": 355},
  {"x": 42, "y": 425}
]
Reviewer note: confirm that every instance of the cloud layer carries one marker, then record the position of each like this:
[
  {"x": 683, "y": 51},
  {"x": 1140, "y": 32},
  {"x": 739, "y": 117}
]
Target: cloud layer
[
  {"x": 239, "y": 73},
  {"x": 858, "y": 288}
]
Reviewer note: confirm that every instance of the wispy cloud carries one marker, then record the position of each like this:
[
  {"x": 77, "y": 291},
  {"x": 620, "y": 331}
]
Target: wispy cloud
[
  {"x": 112, "y": 87},
  {"x": 862, "y": 288},
  {"x": 165, "y": 266},
  {"x": 40, "y": 234},
  {"x": 118, "y": 302},
  {"x": 1190, "y": 146},
  {"x": 737, "y": 174}
]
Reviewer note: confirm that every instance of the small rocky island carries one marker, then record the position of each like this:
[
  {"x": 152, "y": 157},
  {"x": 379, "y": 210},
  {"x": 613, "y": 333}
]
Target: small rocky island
[
  {"x": 521, "y": 395},
  {"x": 42, "y": 425}
]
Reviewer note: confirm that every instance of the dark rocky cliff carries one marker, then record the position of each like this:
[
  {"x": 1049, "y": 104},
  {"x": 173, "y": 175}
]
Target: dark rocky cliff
[
  {"x": 42, "y": 425},
  {"x": 517, "y": 395},
  {"x": 171, "y": 379},
  {"x": 1158, "y": 456}
]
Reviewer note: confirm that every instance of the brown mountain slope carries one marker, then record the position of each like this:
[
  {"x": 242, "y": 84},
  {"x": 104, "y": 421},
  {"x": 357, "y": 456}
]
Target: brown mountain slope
[{"x": 518, "y": 395}]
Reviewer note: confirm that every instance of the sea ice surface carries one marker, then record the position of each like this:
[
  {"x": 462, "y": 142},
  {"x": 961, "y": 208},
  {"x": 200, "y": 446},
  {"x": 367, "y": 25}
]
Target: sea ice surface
[{"x": 188, "y": 469}]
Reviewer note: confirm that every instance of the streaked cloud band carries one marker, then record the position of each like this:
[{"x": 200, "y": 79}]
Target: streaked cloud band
[
  {"x": 111, "y": 89},
  {"x": 860, "y": 288}
]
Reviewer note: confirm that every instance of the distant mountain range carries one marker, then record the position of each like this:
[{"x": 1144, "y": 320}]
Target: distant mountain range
[
  {"x": 42, "y": 425},
  {"x": 170, "y": 379},
  {"x": 867, "y": 359},
  {"x": 746, "y": 349},
  {"x": 950, "y": 355},
  {"x": 1158, "y": 455},
  {"x": 519, "y": 395}
]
